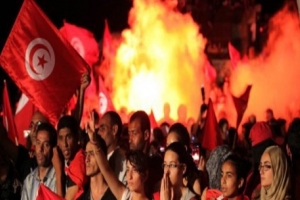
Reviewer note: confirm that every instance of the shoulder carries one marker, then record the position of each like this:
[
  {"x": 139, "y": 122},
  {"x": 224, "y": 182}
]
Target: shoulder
[{"x": 126, "y": 194}]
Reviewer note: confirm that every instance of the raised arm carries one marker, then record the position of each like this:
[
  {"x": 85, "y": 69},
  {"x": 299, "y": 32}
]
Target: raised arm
[
  {"x": 114, "y": 184},
  {"x": 85, "y": 81}
]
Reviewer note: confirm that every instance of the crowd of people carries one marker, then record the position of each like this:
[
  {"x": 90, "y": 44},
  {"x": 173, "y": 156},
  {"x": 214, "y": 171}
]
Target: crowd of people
[{"x": 111, "y": 159}]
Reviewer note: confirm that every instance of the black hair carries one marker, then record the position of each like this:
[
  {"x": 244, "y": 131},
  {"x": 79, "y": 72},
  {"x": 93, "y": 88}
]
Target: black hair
[
  {"x": 183, "y": 135},
  {"x": 222, "y": 122},
  {"x": 115, "y": 119},
  {"x": 242, "y": 167},
  {"x": 293, "y": 138},
  {"x": 138, "y": 160},
  {"x": 51, "y": 131},
  {"x": 143, "y": 119},
  {"x": 69, "y": 122},
  {"x": 158, "y": 136},
  {"x": 100, "y": 142}
]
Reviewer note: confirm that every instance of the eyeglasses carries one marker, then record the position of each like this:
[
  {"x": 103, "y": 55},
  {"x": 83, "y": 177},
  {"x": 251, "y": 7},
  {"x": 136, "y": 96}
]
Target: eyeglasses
[
  {"x": 264, "y": 167},
  {"x": 171, "y": 166}
]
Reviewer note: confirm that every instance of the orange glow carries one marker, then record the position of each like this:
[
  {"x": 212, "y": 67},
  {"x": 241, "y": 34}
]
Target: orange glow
[
  {"x": 160, "y": 59},
  {"x": 275, "y": 74}
]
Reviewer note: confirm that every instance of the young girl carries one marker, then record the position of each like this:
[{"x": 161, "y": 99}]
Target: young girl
[
  {"x": 175, "y": 167},
  {"x": 234, "y": 171}
]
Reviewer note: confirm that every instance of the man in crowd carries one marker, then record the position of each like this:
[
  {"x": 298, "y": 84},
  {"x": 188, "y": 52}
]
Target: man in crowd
[
  {"x": 110, "y": 129},
  {"x": 139, "y": 139},
  {"x": 44, "y": 173},
  {"x": 293, "y": 151}
]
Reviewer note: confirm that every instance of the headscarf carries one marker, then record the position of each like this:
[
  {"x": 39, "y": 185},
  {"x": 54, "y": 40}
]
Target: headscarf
[
  {"x": 214, "y": 165},
  {"x": 281, "y": 176}
]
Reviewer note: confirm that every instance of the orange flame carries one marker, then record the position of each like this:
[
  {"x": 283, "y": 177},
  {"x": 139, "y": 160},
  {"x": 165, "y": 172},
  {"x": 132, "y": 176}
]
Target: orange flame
[
  {"x": 159, "y": 60},
  {"x": 275, "y": 73}
]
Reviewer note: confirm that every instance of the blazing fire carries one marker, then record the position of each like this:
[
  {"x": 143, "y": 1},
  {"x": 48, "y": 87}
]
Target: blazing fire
[
  {"x": 159, "y": 60},
  {"x": 275, "y": 73}
]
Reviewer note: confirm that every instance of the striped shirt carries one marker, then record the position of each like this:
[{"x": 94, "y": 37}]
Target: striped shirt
[{"x": 32, "y": 182}]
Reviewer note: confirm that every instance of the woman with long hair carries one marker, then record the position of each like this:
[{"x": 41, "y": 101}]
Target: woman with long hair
[
  {"x": 179, "y": 133},
  {"x": 176, "y": 168}
]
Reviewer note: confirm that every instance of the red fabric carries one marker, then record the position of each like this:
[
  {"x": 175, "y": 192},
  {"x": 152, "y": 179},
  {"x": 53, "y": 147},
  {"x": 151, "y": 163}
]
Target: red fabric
[
  {"x": 213, "y": 193},
  {"x": 260, "y": 132},
  {"x": 22, "y": 120},
  {"x": 45, "y": 193},
  {"x": 235, "y": 56},
  {"x": 83, "y": 42},
  {"x": 41, "y": 62},
  {"x": 241, "y": 104},
  {"x": 107, "y": 48},
  {"x": 153, "y": 121},
  {"x": 76, "y": 171},
  {"x": 156, "y": 196},
  {"x": 105, "y": 102},
  {"x": 8, "y": 120},
  {"x": 210, "y": 71},
  {"x": 211, "y": 133}
]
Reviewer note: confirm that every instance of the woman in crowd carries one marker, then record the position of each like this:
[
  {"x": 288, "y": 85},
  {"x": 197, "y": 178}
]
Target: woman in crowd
[
  {"x": 274, "y": 175},
  {"x": 136, "y": 171},
  {"x": 176, "y": 168},
  {"x": 179, "y": 133},
  {"x": 233, "y": 177},
  {"x": 234, "y": 171}
]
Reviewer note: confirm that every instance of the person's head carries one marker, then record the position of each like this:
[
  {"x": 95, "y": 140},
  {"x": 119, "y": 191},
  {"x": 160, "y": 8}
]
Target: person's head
[
  {"x": 46, "y": 139},
  {"x": 293, "y": 140},
  {"x": 110, "y": 128},
  {"x": 252, "y": 119},
  {"x": 274, "y": 174},
  {"x": 182, "y": 113},
  {"x": 179, "y": 133},
  {"x": 139, "y": 130},
  {"x": 176, "y": 163},
  {"x": 167, "y": 110},
  {"x": 136, "y": 170},
  {"x": 223, "y": 125},
  {"x": 269, "y": 114},
  {"x": 259, "y": 133},
  {"x": 158, "y": 136},
  {"x": 214, "y": 165},
  {"x": 91, "y": 166},
  {"x": 36, "y": 119},
  {"x": 233, "y": 176},
  {"x": 68, "y": 136}
]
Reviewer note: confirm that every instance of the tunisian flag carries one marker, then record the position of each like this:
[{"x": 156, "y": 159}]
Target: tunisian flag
[
  {"x": 211, "y": 134},
  {"x": 44, "y": 193},
  {"x": 107, "y": 44},
  {"x": 76, "y": 171},
  {"x": 83, "y": 42},
  {"x": 241, "y": 104},
  {"x": 25, "y": 109},
  {"x": 8, "y": 119},
  {"x": 105, "y": 102},
  {"x": 41, "y": 62}
]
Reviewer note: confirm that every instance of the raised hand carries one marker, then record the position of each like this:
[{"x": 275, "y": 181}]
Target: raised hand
[
  {"x": 201, "y": 165},
  {"x": 85, "y": 80},
  {"x": 90, "y": 128},
  {"x": 165, "y": 188}
]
